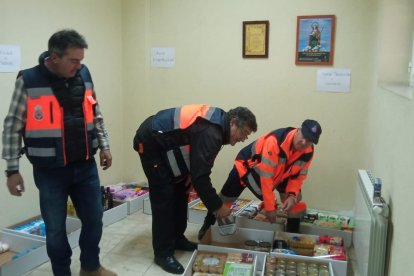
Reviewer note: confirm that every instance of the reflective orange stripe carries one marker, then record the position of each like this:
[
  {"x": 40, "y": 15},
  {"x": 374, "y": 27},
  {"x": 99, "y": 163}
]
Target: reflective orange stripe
[
  {"x": 43, "y": 113},
  {"x": 189, "y": 113},
  {"x": 88, "y": 104}
]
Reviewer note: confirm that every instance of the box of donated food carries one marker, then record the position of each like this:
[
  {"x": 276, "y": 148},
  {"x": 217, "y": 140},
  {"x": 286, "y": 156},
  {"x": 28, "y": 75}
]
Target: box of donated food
[
  {"x": 197, "y": 211},
  {"x": 243, "y": 240},
  {"x": 223, "y": 262},
  {"x": 133, "y": 194},
  {"x": 312, "y": 247},
  {"x": 34, "y": 228},
  {"x": 23, "y": 254},
  {"x": 147, "y": 206},
  {"x": 288, "y": 265}
]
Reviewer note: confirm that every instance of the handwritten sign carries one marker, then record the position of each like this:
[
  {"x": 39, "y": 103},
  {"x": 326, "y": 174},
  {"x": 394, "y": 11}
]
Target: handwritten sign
[
  {"x": 9, "y": 58},
  {"x": 162, "y": 57},
  {"x": 334, "y": 80}
]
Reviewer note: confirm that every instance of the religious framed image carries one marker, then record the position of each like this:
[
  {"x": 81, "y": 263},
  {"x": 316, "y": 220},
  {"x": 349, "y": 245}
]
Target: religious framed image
[
  {"x": 315, "y": 40},
  {"x": 255, "y": 39}
]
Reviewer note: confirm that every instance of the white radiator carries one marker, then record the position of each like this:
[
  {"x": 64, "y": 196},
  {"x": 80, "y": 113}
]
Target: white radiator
[{"x": 371, "y": 225}]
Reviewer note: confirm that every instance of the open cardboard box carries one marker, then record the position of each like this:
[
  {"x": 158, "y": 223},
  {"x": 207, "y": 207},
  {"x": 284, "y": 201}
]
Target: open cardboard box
[
  {"x": 189, "y": 268},
  {"x": 339, "y": 267},
  {"x": 134, "y": 204},
  {"x": 288, "y": 258},
  {"x": 213, "y": 240},
  {"x": 23, "y": 255},
  {"x": 73, "y": 228},
  {"x": 196, "y": 215},
  {"x": 308, "y": 228}
]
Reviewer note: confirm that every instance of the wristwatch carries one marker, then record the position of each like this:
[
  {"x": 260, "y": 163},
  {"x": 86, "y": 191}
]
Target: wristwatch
[{"x": 9, "y": 173}]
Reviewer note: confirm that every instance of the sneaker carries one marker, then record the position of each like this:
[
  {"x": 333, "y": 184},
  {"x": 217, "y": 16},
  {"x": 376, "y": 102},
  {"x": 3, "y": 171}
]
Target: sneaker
[{"x": 101, "y": 271}]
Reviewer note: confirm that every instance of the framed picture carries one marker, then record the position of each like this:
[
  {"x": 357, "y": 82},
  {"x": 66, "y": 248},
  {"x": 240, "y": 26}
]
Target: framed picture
[
  {"x": 255, "y": 39},
  {"x": 315, "y": 40}
]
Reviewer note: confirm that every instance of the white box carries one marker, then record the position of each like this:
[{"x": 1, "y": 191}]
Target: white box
[
  {"x": 294, "y": 258},
  {"x": 339, "y": 267},
  {"x": 213, "y": 240},
  {"x": 134, "y": 204},
  {"x": 189, "y": 268},
  {"x": 32, "y": 254},
  {"x": 147, "y": 206},
  {"x": 118, "y": 212},
  {"x": 308, "y": 228},
  {"x": 73, "y": 229},
  {"x": 245, "y": 222}
]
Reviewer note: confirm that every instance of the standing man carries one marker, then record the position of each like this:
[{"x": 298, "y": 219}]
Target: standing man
[
  {"x": 176, "y": 146},
  {"x": 278, "y": 160},
  {"x": 54, "y": 111}
]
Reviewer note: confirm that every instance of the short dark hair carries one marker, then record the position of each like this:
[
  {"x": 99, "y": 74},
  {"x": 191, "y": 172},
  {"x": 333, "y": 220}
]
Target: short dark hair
[
  {"x": 62, "y": 40},
  {"x": 244, "y": 117}
]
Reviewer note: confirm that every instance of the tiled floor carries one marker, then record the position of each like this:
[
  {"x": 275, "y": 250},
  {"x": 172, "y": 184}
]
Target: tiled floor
[{"x": 127, "y": 250}]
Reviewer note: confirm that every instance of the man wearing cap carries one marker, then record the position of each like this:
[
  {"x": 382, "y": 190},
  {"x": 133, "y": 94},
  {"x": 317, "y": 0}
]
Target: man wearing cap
[{"x": 277, "y": 160}]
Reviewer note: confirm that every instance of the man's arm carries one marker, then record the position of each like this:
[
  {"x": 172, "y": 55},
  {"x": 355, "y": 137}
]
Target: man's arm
[
  {"x": 103, "y": 139},
  {"x": 12, "y": 137}
]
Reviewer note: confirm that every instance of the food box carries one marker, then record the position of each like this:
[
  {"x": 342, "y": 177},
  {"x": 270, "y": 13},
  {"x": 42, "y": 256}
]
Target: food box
[
  {"x": 73, "y": 228},
  {"x": 213, "y": 240},
  {"x": 221, "y": 261},
  {"x": 287, "y": 263},
  {"x": 24, "y": 254}
]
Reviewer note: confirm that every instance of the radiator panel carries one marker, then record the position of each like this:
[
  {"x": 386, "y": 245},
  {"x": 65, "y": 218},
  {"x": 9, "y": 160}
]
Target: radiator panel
[{"x": 371, "y": 227}]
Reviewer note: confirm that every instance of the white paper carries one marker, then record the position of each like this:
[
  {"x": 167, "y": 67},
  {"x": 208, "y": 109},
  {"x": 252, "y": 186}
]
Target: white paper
[
  {"x": 163, "y": 57},
  {"x": 334, "y": 80},
  {"x": 9, "y": 58}
]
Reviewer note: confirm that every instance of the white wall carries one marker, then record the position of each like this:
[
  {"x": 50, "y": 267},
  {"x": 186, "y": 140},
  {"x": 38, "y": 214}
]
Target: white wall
[{"x": 207, "y": 37}]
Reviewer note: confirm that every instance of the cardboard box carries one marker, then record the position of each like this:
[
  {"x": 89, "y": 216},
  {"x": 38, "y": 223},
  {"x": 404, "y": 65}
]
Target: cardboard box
[
  {"x": 245, "y": 222},
  {"x": 134, "y": 204},
  {"x": 24, "y": 254},
  {"x": 213, "y": 240},
  {"x": 189, "y": 268},
  {"x": 73, "y": 228},
  {"x": 118, "y": 212},
  {"x": 308, "y": 228},
  {"x": 339, "y": 267},
  {"x": 294, "y": 258}
]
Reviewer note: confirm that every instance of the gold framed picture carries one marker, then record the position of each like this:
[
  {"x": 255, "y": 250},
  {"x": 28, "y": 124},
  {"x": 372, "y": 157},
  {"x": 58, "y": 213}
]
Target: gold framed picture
[
  {"x": 255, "y": 39},
  {"x": 315, "y": 40}
]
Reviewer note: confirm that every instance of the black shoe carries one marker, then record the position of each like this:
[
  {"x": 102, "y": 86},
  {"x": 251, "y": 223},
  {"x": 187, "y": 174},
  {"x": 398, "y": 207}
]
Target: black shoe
[
  {"x": 186, "y": 245},
  {"x": 169, "y": 264}
]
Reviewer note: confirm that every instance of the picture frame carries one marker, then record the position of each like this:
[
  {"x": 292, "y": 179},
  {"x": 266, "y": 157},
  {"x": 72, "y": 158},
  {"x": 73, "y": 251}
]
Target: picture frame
[
  {"x": 315, "y": 40},
  {"x": 255, "y": 39}
]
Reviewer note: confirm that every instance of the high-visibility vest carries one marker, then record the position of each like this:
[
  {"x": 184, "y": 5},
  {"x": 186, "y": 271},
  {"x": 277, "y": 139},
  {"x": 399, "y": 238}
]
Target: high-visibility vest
[
  {"x": 44, "y": 137},
  {"x": 268, "y": 164},
  {"x": 181, "y": 118}
]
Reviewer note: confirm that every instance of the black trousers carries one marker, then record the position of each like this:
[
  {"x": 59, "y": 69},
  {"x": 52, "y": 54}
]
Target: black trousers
[{"x": 168, "y": 204}]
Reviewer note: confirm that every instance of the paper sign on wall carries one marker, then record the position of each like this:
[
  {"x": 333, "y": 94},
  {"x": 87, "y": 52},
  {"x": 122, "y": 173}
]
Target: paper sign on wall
[
  {"x": 9, "y": 58},
  {"x": 163, "y": 57},
  {"x": 334, "y": 80}
]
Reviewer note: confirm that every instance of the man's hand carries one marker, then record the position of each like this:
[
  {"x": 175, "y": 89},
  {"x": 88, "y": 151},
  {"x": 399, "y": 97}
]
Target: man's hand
[
  {"x": 106, "y": 158},
  {"x": 223, "y": 211},
  {"x": 271, "y": 215},
  {"x": 15, "y": 184},
  {"x": 289, "y": 203}
]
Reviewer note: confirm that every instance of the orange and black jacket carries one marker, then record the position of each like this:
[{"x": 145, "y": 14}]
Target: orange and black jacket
[
  {"x": 269, "y": 163},
  {"x": 189, "y": 137},
  {"x": 59, "y": 125}
]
